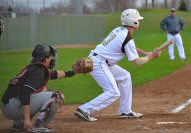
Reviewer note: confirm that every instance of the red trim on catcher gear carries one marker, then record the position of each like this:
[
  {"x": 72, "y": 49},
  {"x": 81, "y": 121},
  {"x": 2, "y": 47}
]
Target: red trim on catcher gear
[
  {"x": 15, "y": 80},
  {"x": 46, "y": 111}
]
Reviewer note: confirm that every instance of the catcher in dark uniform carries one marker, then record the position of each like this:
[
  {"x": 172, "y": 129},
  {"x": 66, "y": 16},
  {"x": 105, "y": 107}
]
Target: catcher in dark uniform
[{"x": 27, "y": 93}]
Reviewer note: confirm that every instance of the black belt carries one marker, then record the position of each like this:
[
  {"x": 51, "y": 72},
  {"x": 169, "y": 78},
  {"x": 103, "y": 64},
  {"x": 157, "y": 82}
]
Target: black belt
[
  {"x": 95, "y": 54},
  {"x": 173, "y": 33},
  {"x": 5, "y": 102}
]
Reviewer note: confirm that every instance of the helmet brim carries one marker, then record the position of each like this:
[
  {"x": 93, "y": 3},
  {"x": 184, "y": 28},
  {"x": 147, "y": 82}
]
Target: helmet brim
[
  {"x": 36, "y": 59},
  {"x": 140, "y": 18}
]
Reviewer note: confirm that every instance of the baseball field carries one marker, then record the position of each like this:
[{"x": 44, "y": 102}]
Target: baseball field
[{"x": 159, "y": 86}]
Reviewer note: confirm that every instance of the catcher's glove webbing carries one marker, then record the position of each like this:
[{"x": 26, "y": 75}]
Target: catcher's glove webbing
[{"x": 83, "y": 65}]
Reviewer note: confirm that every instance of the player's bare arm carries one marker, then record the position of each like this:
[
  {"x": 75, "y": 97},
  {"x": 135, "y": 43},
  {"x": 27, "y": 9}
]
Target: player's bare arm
[
  {"x": 142, "y": 52},
  {"x": 143, "y": 60},
  {"x": 27, "y": 121}
]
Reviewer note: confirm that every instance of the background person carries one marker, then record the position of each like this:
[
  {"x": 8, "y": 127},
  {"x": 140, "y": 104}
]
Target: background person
[{"x": 173, "y": 25}]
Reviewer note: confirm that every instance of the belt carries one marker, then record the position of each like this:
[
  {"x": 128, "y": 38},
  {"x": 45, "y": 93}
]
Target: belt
[
  {"x": 106, "y": 61},
  {"x": 5, "y": 102},
  {"x": 173, "y": 33}
]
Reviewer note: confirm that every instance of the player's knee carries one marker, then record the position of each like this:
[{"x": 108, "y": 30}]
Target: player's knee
[
  {"x": 127, "y": 76},
  {"x": 47, "y": 113},
  {"x": 59, "y": 98},
  {"x": 115, "y": 94}
]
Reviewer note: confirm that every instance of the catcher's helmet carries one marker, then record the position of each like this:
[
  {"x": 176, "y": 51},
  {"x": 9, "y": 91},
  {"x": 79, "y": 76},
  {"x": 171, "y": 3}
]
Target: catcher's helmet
[
  {"x": 130, "y": 17},
  {"x": 42, "y": 51}
]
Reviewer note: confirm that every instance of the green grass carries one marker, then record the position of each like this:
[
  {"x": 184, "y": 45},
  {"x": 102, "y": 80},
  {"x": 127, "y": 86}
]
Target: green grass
[{"x": 80, "y": 88}]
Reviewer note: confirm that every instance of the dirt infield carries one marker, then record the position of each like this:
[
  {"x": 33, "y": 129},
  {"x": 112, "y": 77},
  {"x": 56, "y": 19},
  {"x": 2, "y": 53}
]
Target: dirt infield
[{"x": 154, "y": 99}]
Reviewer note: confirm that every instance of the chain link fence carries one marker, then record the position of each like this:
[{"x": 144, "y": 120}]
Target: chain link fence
[{"x": 23, "y": 31}]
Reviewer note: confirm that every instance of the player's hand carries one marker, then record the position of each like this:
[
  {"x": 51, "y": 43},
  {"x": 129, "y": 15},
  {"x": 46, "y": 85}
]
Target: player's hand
[
  {"x": 156, "y": 53},
  {"x": 28, "y": 124},
  {"x": 170, "y": 41}
]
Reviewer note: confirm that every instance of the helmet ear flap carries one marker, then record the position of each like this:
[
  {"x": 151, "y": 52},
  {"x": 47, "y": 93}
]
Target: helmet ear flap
[
  {"x": 53, "y": 51},
  {"x": 136, "y": 23}
]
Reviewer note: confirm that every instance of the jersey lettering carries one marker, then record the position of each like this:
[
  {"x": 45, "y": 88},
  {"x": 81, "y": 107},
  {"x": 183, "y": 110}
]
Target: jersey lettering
[{"x": 107, "y": 40}]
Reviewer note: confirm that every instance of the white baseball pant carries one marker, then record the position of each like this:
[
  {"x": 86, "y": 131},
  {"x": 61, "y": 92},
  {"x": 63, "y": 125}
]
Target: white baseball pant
[
  {"x": 115, "y": 81},
  {"x": 178, "y": 41}
]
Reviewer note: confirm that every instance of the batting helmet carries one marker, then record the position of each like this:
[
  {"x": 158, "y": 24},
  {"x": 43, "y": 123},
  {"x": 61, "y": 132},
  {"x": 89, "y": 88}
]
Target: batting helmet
[
  {"x": 130, "y": 17},
  {"x": 42, "y": 51}
]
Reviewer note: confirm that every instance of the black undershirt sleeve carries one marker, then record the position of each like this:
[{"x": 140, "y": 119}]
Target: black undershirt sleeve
[
  {"x": 53, "y": 74},
  {"x": 25, "y": 95},
  {"x": 69, "y": 73}
]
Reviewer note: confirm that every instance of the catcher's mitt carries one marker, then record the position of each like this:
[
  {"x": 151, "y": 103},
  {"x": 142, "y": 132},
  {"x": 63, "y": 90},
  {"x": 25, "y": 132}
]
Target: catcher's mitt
[{"x": 83, "y": 65}]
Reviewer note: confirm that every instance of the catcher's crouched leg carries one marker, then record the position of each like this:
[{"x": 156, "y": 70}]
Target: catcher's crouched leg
[{"x": 49, "y": 109}]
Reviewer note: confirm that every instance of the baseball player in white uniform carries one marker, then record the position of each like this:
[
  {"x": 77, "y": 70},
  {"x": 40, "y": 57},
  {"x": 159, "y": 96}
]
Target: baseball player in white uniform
[{"x": 116, "y": 81}]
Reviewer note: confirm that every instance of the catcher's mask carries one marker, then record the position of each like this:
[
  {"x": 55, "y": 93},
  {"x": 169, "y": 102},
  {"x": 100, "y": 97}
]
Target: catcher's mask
[{"x": 43, "y": 51}]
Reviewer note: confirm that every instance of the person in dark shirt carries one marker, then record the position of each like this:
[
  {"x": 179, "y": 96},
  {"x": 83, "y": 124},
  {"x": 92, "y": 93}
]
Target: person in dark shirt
[
  {"x": 27, "y": 93},
  {"x": 174, "y": 25}
]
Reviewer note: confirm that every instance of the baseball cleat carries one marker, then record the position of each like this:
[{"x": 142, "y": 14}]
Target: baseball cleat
[
  {"x": 131, "y": 115},
  {"x": 84, "y": 115},
  {"x": 18, "y": 126},
  {"x": 41, "y": 130}
]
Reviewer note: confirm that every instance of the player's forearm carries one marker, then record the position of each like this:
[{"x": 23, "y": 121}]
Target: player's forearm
[
  {"x": 141, "y": 60},
  {"x": 142, "y": 52},
  {"x": 26, "y": 110},
  {"x": 62, "y": 74},
  {"x": 163, "y": 25},
  {"x": 163, "y": 28},
  {"x": 146, "y": 59}
]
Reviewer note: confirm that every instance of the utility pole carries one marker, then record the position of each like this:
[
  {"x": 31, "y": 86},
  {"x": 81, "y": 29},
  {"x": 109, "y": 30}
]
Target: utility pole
[
  {"x": 1, "y": 2},
  {"x": 153, "y": 3},
  {"x": 79, "y": 7},
  {"x": 60, "y": 6},
  {"x": 146, "y": 4},
  {"x": 28, "y": 5},
  {"x": 166, "y": 4},
  {"x": 44, "y": 4},
  {"x": 12, "y": 4}
]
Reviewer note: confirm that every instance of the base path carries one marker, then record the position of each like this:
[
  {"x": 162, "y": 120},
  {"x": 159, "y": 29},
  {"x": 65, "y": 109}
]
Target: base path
[{"x": 154, "y": 99}]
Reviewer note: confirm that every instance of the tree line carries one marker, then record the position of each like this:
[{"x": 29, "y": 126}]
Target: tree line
[{"x": 89, "y": 6}]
